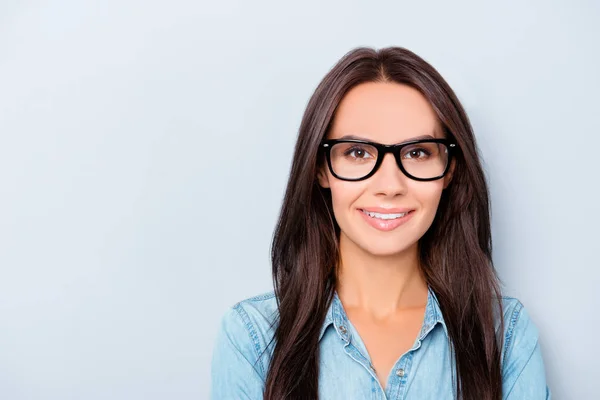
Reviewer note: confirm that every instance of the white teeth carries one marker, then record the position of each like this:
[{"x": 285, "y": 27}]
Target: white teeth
[{"x": 384, "y": 216}]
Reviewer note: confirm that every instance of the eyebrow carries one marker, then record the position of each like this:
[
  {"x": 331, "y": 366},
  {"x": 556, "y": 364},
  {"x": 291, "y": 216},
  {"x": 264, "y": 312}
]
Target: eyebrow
[{"x": 407, "y": 140}]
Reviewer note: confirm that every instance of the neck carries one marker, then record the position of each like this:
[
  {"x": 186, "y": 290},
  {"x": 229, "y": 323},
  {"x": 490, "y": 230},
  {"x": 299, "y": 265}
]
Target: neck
[{"x": 379, "y": 285}]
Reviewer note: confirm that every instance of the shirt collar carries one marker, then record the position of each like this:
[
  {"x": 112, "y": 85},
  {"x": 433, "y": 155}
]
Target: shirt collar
[{"x": 337, "y": 317}]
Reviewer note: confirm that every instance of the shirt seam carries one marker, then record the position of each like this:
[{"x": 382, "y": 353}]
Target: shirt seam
[
  {"x": 262, "y": 296},
  {"x": 509, "y": 334},
  {"x": 251, "y": 333}
]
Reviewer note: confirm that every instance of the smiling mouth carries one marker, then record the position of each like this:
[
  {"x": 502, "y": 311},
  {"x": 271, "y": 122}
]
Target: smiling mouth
[
  {"x": 385, "y": 216},
  {"x": 386, "y": 221}
]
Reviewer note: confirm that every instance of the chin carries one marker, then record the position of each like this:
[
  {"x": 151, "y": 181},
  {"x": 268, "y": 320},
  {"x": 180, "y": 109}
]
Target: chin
[{"x": 381, "y": 249}]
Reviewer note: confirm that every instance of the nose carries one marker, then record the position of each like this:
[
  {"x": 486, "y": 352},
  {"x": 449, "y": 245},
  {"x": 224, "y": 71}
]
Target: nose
[{"x": 389, "y": 180}]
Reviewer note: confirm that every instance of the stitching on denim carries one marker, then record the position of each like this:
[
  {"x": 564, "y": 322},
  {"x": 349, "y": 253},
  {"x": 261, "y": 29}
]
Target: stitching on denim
[
  {"x": 251, "y": 332},
  {"x": 509, "y": 334},
  {"x": 262, "y": 296}
]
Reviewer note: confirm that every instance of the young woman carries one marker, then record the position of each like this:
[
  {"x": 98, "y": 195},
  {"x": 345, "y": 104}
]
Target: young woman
[{"x": 384, "y": 286}]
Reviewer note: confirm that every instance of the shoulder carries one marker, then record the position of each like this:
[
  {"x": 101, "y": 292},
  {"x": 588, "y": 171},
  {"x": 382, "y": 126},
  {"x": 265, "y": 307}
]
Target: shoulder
[
  {"x": 523, "y": 371},
  {"x": 249, "y": 325},
  {"x": 239, "y": 359},
  {"x": 521, "y": 335},
  {"x": 256, "y": 312}
]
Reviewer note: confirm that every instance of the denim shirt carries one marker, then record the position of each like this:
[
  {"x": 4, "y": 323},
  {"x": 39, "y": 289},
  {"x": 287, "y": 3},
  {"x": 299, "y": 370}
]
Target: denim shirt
[{"x": 345, "y": 370}]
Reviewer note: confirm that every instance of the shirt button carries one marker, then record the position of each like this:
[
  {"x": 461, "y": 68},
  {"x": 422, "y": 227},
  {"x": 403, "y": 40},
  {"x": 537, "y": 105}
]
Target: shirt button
[
  {"x": 400, "y": 372},
  {"x": 343, "y": 329}
]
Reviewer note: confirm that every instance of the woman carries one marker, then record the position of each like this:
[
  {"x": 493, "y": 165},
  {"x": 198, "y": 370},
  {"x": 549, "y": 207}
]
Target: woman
[{"x": 384, "y": 286}]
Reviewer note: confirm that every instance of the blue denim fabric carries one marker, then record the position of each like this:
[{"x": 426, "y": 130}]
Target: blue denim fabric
[{"x": 423, "y": 372}]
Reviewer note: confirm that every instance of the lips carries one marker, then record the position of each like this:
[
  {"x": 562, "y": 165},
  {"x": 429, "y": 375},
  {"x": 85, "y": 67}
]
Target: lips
[{"x": 386, "y": 225}]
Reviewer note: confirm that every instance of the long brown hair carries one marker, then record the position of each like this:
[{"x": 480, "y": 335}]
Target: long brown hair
[{"x": 455, "y": 253}]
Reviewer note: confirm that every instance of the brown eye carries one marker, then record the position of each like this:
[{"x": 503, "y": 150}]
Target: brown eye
[
  {"x": 416, "y": 153},
  {"x": 357, "y": 152}
]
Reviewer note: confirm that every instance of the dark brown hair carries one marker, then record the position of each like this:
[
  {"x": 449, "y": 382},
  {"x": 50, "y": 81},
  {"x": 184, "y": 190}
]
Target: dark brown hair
[{"x": 455, "y": 253}]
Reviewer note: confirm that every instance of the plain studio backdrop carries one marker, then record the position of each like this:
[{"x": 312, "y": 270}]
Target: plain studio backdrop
[{"x": 145, "y": 147}]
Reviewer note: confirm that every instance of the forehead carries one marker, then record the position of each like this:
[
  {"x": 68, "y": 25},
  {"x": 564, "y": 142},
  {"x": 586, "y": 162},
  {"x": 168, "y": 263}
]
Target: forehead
[{"x": 385, "y": 112}]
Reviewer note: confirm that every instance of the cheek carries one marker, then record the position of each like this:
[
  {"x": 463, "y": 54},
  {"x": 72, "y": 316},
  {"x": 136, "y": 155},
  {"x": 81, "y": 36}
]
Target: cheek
[
  {"x": 427, "y": 194},
  {"x": 344, "y": 196}
]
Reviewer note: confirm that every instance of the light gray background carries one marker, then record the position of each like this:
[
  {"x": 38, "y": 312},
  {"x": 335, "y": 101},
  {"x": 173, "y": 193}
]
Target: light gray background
[{"x": 145, "y": 147}]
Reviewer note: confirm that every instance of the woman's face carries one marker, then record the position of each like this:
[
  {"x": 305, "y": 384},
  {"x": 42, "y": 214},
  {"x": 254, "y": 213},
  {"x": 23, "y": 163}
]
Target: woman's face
[{"x": 388, "y": 113}]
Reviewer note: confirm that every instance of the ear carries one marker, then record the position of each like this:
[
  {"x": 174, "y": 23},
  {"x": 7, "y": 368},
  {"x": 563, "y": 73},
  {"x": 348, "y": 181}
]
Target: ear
[
  {"x": 449, "y": 174},
  {"x": 322, "y": 177}
]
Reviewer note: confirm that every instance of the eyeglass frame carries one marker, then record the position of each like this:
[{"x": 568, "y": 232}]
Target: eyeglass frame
[{"x": 382, "y": 150}]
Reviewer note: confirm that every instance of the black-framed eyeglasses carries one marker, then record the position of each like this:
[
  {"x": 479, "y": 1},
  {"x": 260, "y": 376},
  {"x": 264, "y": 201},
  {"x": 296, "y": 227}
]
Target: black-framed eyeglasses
[{"x": 356, "y": 160}]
